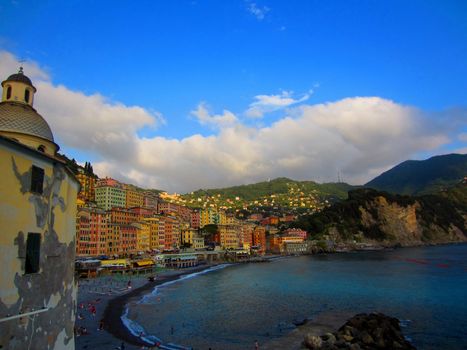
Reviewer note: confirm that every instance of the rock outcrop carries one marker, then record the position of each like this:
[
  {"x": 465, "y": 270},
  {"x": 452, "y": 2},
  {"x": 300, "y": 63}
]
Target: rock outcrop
[{"x": 363, "y": 331}]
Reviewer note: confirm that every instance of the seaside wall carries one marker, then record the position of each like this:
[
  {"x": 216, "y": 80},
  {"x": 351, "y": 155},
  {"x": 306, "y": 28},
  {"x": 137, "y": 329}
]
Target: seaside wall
[{"x": 37, "y": 250}]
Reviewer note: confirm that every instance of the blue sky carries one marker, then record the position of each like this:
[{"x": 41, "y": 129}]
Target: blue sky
[{"x": 179, "y": 59}]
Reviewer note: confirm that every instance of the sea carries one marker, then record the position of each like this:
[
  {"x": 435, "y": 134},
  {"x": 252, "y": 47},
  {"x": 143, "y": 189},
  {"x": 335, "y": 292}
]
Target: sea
[{"x": 232, "y": 306}]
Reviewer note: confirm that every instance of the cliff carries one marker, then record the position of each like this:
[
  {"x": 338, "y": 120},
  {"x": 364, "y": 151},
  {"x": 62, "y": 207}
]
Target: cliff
[{"x": 370, "y": 217}]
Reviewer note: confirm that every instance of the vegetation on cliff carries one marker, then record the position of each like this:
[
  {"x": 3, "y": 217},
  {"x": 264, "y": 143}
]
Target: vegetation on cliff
[{"x": 371, "y": 215}]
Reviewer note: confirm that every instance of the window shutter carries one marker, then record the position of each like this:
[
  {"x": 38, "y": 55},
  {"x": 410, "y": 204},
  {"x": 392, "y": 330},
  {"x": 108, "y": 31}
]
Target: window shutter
[
  {"x": 33, "y": 252},
  {"x": 37, "y": 179}
]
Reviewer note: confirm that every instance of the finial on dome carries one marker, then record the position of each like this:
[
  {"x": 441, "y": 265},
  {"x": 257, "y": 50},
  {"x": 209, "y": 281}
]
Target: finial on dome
[{"x": 20, "y": 70}]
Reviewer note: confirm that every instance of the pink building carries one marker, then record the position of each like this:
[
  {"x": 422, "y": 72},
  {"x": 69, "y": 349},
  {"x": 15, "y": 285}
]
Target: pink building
[{"x": 296, "y": 232}]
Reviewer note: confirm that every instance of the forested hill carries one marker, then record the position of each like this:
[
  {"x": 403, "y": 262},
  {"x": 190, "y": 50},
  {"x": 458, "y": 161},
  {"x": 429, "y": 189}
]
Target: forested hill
[
  {"x": 422, "y": 177},
  {"x": 388, "y": 219},
  {"x": 281, "y": 192}
]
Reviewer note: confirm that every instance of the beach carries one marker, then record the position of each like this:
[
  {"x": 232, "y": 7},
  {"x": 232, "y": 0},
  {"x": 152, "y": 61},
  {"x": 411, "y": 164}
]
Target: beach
[{"x": 102, "y": 301}]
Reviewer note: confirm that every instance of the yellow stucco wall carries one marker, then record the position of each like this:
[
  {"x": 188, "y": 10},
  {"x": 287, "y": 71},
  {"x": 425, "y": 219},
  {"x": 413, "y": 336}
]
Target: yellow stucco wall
[{"x": 51, "y": 214}]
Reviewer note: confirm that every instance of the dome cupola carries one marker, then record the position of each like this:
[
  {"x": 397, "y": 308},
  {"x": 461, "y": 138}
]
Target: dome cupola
[
  {"x": 19, "y": 120},
  {"x": 18, "y": 88}
]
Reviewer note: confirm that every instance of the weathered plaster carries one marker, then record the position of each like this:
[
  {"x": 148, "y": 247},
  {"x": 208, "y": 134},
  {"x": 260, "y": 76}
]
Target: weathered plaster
[{"x": 53, "y": 285}]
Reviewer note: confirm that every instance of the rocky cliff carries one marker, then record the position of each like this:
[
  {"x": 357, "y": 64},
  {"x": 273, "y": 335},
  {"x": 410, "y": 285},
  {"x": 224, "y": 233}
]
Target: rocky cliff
[{"x": 373, "y": 218}]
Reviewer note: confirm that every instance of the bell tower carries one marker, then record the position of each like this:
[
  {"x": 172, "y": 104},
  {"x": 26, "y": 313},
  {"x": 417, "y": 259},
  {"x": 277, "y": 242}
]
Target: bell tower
[{"x": 18, "y": 88}]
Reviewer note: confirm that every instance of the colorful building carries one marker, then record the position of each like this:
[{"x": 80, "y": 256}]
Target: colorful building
[
  {"x": 143, "y": 236},
  {"x": 134, "y": 198},
  {"x": 88, "y": 183},
  {"x": 208, "y": 216},
  {"x": 38, "y": 223},
  {"x": 259, "y": 239},
  {"x": 156, "y": 233},
  {"x": 230, "y": 236},
  {"x": 195, "y": 219},
  {"x": 150, "y": 200},
  {"x": 92, "y": 225},
  {"x": 108, "y": 197}
]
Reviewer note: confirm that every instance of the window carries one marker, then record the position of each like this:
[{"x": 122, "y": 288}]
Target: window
[
  {"x": 26, "y": 95},
  {"x": 8, "y": 92},
  {"x": 33, "y": 252},
  {"x": 37, "y": 179},
  {"x": 41, "y": 148}
]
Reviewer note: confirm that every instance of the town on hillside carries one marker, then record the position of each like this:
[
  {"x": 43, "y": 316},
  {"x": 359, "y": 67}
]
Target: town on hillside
[{"x": 121, "y": 221}]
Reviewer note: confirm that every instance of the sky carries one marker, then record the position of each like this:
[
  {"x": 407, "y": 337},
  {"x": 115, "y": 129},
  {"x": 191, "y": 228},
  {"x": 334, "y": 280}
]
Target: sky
[{"x": 182, "y": 95}]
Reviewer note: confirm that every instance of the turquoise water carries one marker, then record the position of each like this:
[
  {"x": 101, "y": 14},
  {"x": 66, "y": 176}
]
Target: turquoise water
[{"x": 232, "y": 307}]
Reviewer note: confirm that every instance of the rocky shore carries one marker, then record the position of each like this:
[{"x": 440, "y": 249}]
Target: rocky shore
[{"x": 362, "y": 331}]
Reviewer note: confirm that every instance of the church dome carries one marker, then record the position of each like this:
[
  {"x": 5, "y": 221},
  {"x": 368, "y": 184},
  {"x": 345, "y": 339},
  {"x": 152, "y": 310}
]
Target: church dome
[
  {"x": 22, "y": 118},
  {"x": 20, "y": 78}
]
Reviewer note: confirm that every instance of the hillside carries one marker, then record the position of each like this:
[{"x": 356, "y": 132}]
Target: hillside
[
  {"x": 383, "y": 219},
  {"x": 415, "y": 177},
  {"x": 280, "y": 192}
]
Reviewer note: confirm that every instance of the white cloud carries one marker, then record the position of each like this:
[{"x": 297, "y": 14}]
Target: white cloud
[
  {"x": 270, "y": 103},
  {"x": 225, "y": 119},
  {"x": 258, "y": 12},
  {"x": 10, "y": 65},
  {"x": 85, "y": 122},
  {"x": 359, "y": 137}
]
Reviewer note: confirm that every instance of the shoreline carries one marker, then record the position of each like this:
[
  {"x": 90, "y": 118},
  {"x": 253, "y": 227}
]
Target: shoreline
[{"x": 116, "y": 306}]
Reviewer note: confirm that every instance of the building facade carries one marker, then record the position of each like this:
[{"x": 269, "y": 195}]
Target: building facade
[
  {"x": 108, "y": 197},
  {"x": 38, "y": 222}
]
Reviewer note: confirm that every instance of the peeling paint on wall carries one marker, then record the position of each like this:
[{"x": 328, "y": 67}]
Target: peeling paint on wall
[{"x": 53, "y": 285}]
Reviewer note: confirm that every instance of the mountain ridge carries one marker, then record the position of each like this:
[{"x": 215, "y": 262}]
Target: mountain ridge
[{"x": 416, "y": 177}]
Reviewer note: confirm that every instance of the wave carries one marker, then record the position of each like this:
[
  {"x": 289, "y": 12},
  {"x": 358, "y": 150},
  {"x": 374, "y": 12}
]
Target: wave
[
  {"x": 138, "y": 331},
  {"x": 146, "y": 299}
]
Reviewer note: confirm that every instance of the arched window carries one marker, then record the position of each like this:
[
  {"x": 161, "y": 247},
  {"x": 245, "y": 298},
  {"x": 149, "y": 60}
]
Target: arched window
[
  {"x": 8, "y": 92},
  {"x": 41, "y": 148},
  {"x": 26, "y": 95}
]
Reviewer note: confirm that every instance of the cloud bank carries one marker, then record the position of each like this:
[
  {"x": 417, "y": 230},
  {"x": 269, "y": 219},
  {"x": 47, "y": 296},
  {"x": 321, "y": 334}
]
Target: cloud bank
[{"x": 357, "y": 136}]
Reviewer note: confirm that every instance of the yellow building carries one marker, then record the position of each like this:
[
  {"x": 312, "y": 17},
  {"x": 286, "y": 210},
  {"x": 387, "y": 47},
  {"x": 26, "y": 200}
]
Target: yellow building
[
  {"x": 37, "y": 222},
  {"x": 156, "y": 232},
  {"x": 143, "y": 234},
  {"x": 208, "y": 216},
  {"x": 134, "y": 198},
  {"x": 188, "y": 235},
  {"x": 230, "y": 236},
  {"x": 87, "y": 182}
]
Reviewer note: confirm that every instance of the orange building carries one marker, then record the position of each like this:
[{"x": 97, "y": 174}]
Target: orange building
[
  {"x": 195, "y": 219},
  {"x": 108, "y": 181},
  {"x": 92, "y": 227},
  {"x": 172, "y": 233},
  {"x": 123, "y": 216},
  {"x": 142, "y": 212},
  {"x": 246, "y": 238},
  {"x": 259, "y": 239},
  {"x": 128, "y": 239}
]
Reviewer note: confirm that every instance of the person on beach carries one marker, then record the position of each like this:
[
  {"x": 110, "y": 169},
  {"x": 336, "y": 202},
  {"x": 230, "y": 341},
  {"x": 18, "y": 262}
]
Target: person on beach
[
  {"x": 129, "y": 284},
  {"x": 256, "y": 345}
]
